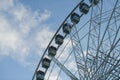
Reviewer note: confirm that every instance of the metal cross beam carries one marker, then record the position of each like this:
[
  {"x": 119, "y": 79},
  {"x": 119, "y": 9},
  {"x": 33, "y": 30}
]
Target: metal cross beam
[{"x": 64, "y": 69}]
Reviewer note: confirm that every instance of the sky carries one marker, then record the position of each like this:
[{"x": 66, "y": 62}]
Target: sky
[{"x": 26, "y": 27}]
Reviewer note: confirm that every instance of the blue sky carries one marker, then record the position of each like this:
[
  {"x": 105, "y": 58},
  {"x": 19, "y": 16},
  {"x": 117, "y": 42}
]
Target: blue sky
[{"x": 26, "y": 27}]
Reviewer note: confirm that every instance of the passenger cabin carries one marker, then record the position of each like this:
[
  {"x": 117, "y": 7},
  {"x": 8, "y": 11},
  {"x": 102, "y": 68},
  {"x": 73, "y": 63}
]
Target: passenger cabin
[
  {"x": 59, "y": 39},
  {"x": 52, "y": 51},
  {"x": 66, "y": 28},
  {"x": 75, "y": 18},
  {"x": 95, "y": 2},
  {"x": 46, "y": 62},
  {"x": 40, "y": 75},
  {"x": 84, "y": 8}
]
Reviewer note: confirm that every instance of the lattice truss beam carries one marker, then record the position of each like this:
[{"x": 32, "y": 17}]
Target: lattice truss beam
[{"x": 101, "y": 60}]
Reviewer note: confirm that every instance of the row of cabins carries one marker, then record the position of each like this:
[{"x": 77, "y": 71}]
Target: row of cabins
[{"x": 59, "y": 39}]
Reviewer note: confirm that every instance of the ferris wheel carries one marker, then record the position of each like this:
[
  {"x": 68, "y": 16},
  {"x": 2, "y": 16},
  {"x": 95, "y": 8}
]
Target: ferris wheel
[{"x": 86, "y": 46}]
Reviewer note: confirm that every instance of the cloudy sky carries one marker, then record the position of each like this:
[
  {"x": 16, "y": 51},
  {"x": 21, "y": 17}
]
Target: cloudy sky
[{"x": 26, "y": 27}]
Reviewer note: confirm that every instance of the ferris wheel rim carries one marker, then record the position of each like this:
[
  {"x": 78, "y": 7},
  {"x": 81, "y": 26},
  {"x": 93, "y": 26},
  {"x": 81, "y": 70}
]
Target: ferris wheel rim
[{"x": 55, "y": 35}]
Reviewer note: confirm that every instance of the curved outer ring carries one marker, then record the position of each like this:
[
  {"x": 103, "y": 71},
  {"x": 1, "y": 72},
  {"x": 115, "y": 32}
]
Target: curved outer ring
[{"x": 54, "y": 37}]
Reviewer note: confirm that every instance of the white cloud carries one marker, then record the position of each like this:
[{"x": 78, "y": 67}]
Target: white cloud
[
  {"x": 16, "y": 24},
  {"x": 28, "y": 19},
  {"x": 43, "y": 37},
  {"x": 20, "y": 12},
  {"x": 44, "y": 16},
  {"x": 11, "y": 42},
  {"x": 5, "y": 4},
  {"x": 8, "y": 37}
]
